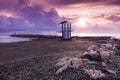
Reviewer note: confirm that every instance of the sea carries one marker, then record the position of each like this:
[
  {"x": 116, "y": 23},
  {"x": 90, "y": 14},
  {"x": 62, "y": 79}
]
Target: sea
[{"x": 5, "y": 38}]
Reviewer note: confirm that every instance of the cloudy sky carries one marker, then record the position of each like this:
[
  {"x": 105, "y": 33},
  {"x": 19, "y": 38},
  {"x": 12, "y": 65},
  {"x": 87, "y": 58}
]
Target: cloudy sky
[{"x": 87, "y": 16}]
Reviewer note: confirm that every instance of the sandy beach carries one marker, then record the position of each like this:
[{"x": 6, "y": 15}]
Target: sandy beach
[
  {"x": 10, "y": 52},
  {"x": 35, "y": 60}
]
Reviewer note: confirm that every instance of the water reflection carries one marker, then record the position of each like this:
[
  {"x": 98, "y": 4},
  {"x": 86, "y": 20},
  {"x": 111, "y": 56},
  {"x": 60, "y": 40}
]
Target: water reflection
[
  {"x": 8, "y": 39},
  {"x": 4, "y": 38}
]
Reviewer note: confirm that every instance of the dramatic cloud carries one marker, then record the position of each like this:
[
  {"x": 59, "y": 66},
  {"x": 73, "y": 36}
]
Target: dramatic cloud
[
  {"x": 71, "y": 2},
  {"x": 11, "y": 23},
  {"x": 116, "y": 2},
  {"x": 114, "y": 18},
  {"x": 23, "y": 2},
  {"x": 85, "y": 15},
  {"x": 7, "y": 3},
  {"x": 29, "y": 17}
]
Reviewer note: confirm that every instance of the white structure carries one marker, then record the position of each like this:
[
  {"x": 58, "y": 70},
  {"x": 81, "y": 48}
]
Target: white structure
[{"x": 66, "y": 30}]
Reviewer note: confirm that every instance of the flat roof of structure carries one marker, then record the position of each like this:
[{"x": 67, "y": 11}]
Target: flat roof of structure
[{"x": 63, "y": 22}]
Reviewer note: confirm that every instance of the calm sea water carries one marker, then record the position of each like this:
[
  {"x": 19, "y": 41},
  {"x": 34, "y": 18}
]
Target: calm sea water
[{"x": 5, "y": 38}]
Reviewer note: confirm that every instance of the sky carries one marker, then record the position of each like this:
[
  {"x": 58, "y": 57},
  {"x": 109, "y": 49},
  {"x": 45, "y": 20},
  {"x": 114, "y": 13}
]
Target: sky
[{"x": 86, "y": 16}]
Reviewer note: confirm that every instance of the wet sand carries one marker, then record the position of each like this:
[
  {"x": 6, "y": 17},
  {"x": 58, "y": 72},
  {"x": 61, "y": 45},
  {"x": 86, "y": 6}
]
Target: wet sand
[
  {"x": 10, "y": 52},
  {"x": 35, "y": 60}
]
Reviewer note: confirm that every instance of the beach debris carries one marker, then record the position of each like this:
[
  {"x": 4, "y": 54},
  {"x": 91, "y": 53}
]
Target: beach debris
[
  {"x": 94, "y": 74},
  {"x": 60, "y": 70},
  {"x": 66, "y": 62},
  {"x": 102, "y": 53},
  {"x": 108, "y": 71},
  {"x": 62, "y": 61},
  {"x": 71, "y": 62},
  {"x": 111, "y": 71}
]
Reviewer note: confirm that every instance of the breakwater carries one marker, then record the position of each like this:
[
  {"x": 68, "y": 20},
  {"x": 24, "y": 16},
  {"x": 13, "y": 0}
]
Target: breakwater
[{"x": 34, "y": 36}]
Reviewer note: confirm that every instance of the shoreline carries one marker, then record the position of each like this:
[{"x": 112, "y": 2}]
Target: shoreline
[
  {"x": 17, "y": 49},
  {"x": 44, "y": 42},
  {"x": 26, "y": 37},
  {"x": 36, "y": 59}
]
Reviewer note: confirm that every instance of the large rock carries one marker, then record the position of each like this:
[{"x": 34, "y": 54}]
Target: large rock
[
  {"x": 103, "y": 52},
  {"x": 92, "y": 55}
]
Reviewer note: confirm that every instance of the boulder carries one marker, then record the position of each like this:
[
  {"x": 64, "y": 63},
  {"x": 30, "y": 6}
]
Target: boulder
[
  {"x": 92, "y": 55},
  {"x": 104, "y": 52}
]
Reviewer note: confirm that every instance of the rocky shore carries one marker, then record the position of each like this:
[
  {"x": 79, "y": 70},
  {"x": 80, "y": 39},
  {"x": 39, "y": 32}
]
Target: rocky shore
[
  {"x": 36, "y": 60},
  {"x": 38, "y": 36}
]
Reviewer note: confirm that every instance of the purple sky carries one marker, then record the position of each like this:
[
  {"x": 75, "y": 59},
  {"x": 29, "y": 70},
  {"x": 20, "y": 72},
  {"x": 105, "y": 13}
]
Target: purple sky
[{"x": 94, "y": 16}]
